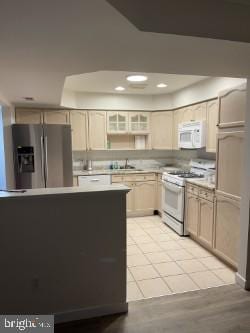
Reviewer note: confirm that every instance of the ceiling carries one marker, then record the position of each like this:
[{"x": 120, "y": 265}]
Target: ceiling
[
  {"x": 107, "y": 81},
  {"x": 220, "y": 19},
  {"x": 43, "y": 42}
]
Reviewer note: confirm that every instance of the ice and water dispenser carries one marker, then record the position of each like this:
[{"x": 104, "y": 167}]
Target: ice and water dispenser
[{"x": 25, "y": 159}]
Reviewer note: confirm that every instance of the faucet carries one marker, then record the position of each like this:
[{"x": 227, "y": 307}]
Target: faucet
[{"x": 126, "y": 163}]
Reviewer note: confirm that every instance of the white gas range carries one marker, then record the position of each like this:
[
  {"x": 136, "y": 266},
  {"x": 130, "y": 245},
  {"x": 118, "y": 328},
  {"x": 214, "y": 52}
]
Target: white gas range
[{"x": 173, "y": 195}]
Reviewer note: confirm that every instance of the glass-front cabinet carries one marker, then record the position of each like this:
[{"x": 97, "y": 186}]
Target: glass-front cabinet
[
  {"x": 139, "y": 122},
  {"x": 117, "y": 122}
]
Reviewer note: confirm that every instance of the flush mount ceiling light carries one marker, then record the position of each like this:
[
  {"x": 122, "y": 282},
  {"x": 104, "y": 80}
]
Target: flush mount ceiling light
[
  {"x": 162, "y": 85},
  {"x": 137, "y": 78},
  {"x": 119, "y": 88}
]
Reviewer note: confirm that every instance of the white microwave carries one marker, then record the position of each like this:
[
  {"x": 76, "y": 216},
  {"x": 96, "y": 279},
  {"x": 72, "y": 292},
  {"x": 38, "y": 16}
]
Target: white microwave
[{"x": 192, "y": 135}]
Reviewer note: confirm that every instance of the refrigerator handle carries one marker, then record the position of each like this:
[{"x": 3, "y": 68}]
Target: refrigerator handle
[
  {"x": 46, "y": 160},
  {"x": 42, "y": 160}
]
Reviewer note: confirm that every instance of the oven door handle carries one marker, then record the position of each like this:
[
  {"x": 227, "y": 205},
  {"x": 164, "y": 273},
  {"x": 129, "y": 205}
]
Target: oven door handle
[{"x": 172, "y": 187}]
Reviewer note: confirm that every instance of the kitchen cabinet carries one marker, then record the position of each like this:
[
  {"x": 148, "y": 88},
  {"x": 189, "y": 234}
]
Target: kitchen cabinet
[
  {"x": 192, "y": 213},
  {"x": 97, "y": 130},
  {"x": 117, "y": 122},
  {"x": 177, "y": 119},
  {"x": 78, "y": 122},
  {"x": 159, "y": 194},
  {"x": 229, "y": 162},
  {"x": 28, "y": 116},
  {"x": 187, "y": 114},
  {"x": 56, "y": 117},
  {"x": 75, "y": 181},
  {"x": 206, "y": 218},
  {"x": 144, "y": 197},
  {"x": 232, "y": 107},
  {"x": 199, "y": 111},
  {"x": 162, "y": 130},
  {"x": 200, "y": 214},
  {"x": 212, "y": 121},
  {"x": 139, "y": 122},
  {"x": 141, "y": 200},
  {"x": 227, "y": 228}
]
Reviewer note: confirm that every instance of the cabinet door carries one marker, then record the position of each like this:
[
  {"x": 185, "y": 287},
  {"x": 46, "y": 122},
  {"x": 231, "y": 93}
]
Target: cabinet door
[
  {"x": 227, "y": 228},
  {"x": 199, "y": 111},
  {"x": 159, "y": 197},
  {"x": 206, "y": 220},
  {"x": 187, "y": 114},
  {"x": 130, "y": 197},
  {"x": 192, "y": 213},
  {"x": 117, "y": 122},
  {"x": 229, "y": 162},
  {"x": 144, "y": 199},
  {"x": 97, "y": 130},
  {"x": 139, "y": 122},
  {"x": 78, "y": 121},
  {"x": 28, "y": 116},
  {"x": 177, "y": 119},
  {"x": 58, "y": 117},
  {"x": 162, "y": 130},
  {"x": 232, "y": 107},
  {"x": 212, "y": 121}
]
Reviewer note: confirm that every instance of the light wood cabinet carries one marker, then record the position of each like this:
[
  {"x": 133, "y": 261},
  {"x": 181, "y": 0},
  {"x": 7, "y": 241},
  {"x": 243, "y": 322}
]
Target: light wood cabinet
[
  {"x": 139, "y": 122},
  {"x": 177, "y": 119},
  {"x": 28, "y": 116},
  {"x": 192, "y": 213},
  {"x": 159, "y": 196},
  {"x": 130, "y": 197},
  {"x": 187, "y": 114},
  {"x": 117, "y": 122},
  {"x": 232, "y": 107},
  {"x": 78, "y": 121},
  {"x": 227, "y": 228},
  {"x": 97, "y": 130},
  {"x": 199, "y": 111},
  {"x": 56, "y": 117},
  {"x": 212, "y": 121},
  {"x": 162, "y": 130},
  {"x": 144, "y": 198},
  {"x": 75, "y": 181},
  {"x": 229, "y": 162},
  {"x": 206, "y": 221}
]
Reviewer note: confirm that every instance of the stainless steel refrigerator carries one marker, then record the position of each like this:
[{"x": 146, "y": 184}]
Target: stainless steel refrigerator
[{"x": 42, "y": 156}]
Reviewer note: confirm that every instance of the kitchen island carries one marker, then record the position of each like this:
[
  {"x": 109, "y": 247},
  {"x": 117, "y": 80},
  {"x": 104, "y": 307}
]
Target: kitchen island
[{"x": 63, "y": 251}]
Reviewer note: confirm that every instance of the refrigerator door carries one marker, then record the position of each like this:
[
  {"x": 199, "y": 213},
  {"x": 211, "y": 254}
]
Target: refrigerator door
[
  {"x": 28, "y": 156},
  {"x": 58, "y": 155}
]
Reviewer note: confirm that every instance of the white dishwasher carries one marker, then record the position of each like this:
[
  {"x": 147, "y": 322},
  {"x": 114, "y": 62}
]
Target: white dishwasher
[{"x": 94, "y": 180}]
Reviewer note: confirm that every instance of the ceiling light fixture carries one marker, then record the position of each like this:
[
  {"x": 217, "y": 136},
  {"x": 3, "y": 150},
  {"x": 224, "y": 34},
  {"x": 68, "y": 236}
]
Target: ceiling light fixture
[
  {"x": 161, "y": 85},
  {"x": 119, "y": 88},
  {"x": 137, "y": 78}
]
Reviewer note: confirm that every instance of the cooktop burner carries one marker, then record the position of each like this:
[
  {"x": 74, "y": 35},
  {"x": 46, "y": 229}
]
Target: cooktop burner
[{"x": 190, "y": 175}]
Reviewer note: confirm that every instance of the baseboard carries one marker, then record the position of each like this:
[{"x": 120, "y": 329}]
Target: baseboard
[
  {"x": 92, "y": 312},
  {"x": 242, "y": 282}
]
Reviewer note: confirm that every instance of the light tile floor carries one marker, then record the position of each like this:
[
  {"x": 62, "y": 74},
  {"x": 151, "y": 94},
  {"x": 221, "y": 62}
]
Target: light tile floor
[{"x": 160, "y": 262}]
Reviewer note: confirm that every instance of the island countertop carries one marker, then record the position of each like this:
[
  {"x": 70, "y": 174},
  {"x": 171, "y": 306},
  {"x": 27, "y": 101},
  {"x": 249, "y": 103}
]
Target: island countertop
[{"x": 63, "y": 190}]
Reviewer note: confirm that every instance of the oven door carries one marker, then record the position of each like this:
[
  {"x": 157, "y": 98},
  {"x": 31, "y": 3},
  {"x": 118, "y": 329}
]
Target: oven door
[{"x": 173, "y": 200}]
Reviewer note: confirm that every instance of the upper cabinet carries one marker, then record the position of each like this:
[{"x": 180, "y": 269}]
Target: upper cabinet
[
  {"x": 97, "y": 130},
  {"x": 177, "y": 119},
  {"x": 28, "y": 116},
  {"x": 199, "y": 111},
  {"x": 56, "y": 117},
  {"x": 78, "y": 122},
  {"x": 212, "y": 121},
  {"x": 139, "y": 122},
  {"x": 117, "y": 122},
  {"x": 232, "y": 107},
  {"x": 162, "y": 130}
]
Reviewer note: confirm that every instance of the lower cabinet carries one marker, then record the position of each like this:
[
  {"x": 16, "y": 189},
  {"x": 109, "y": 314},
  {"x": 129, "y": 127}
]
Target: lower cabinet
[
  {"x": 206, "y": 218},
  {"x": 141, "y": 200},
  {"x": 192, "y": 213},
  {"x": 227, "y": 228},
  {"x": 159, "y": 195}
]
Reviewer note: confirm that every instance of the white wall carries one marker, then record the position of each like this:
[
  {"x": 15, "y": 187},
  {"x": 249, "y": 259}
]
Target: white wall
[{"x": 195, "y": 93}]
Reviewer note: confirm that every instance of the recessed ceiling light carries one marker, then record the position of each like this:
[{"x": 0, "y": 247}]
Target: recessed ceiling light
[
  {"x": 137, "y": 78},
  {"x": 161, "y": 85},
  {"x": 119, "y": 88}
]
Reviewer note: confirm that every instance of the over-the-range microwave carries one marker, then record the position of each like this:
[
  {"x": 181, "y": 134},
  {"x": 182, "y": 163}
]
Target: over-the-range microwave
[{"x": 192, "y": 135}]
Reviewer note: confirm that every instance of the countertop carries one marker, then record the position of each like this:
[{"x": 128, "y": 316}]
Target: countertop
[
  {"x": 64, "y": 190},
  {"x": 122, "y": 171},
  {"x": 202, "y": 183}
]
